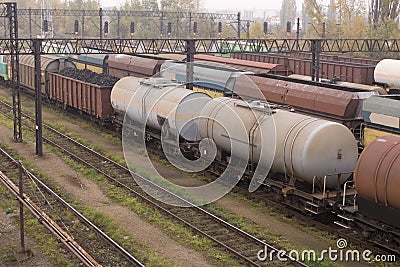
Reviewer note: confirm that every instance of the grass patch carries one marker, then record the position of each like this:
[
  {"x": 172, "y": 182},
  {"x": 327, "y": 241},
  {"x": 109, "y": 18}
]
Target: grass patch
[
  {"x": 53, "y": 250},
  {"x": 153, "y": 217},
  {"x": 106, "y": 223},
  {"x": 176, "y": 231}
]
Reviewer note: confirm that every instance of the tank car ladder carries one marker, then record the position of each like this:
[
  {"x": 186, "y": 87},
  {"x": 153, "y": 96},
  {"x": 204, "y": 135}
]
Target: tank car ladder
[
  {"x": 314, "y": 207},
  {"x": 345, "y": 218}
]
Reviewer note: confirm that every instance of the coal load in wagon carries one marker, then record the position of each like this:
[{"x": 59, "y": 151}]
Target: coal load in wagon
[{"x": 89, "y": 76}]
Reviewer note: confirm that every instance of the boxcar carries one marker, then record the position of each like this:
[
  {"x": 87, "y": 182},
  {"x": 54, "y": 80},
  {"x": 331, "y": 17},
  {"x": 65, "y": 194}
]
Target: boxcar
[
  {"x": 49, "y": 64},
  {"x": 86, "y": 97}
]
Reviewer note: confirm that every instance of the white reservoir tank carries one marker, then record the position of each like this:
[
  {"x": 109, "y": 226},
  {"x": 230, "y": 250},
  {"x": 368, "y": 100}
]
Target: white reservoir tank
[{"x": 306, "y": 147}]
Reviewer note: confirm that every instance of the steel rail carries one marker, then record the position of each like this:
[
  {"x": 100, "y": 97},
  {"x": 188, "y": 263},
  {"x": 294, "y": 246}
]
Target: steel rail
[
  {"x": 52, "y": 226},
  {"x": 157, "y": 205},
  {"x": 125, "y": 253}
]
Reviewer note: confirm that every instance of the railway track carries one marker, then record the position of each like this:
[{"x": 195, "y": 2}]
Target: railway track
[
  {"x": 321, "y": 223},
  {"x": 83, "y": 238},
  {"x": 242, "y": 246}
]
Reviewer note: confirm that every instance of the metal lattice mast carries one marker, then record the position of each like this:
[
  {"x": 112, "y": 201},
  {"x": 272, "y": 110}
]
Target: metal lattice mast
[{"x": 11, "y": 14}]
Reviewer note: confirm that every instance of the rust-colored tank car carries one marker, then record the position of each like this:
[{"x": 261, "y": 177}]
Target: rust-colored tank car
[
  {"x": 342, "y": 106},
  {"x": 377, "y": 173},
  {"x": 346, "y": 71},
  {"x": 122, "y": 65},
  {"x": 90, "y": 98},
  {"x": 49, "y": 64}
]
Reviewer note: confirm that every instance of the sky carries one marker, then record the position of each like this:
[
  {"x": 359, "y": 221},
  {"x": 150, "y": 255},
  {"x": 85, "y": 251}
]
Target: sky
[{"x": 223, "y": 4}]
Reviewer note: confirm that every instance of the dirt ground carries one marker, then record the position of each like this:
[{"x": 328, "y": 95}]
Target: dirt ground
[
  {"x": 89, "y": 193},
  {"x": 10, "y": 248}
]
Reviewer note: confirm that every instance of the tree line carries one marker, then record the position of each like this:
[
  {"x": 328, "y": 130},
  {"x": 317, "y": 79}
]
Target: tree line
[{"x": 319, "y": 19}]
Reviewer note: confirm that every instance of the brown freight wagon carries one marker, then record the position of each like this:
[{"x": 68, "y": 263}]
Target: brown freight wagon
[
  {"x": 90, "y": 98},
  {"x": 248, "y": 65},
  {"x": 346, "y": 71},
  {"x": 337, "y": 105},
  {"x": 122, "y": 65},
  {"x": 332, "y": 57},
  {"x": 48, "y": 64}
]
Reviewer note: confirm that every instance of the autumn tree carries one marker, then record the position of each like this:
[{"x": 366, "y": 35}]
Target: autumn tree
[
  {"x": 180, "y": 5},
  {"x": 381, "y": 10},
  {"x": 315, "y": 18},
  {"x": 257, "y": 29},
  {"x": 351, "y": 18},
  {"x": 150, "y": 5}
]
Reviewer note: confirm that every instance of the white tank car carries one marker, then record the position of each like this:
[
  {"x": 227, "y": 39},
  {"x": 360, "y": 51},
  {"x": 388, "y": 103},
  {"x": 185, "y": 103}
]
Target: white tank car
[
  {"x": 305, "y": 146},
  {"x": 387, "y": 72},
  {"x": 161, "y": 102}
]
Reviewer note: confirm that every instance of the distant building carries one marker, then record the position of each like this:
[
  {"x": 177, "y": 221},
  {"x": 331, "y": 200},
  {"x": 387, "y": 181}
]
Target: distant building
[{"x": 274, "y": 20}]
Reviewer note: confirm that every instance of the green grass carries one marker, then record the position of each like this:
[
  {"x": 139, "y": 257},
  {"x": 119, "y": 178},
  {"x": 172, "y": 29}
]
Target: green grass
[
  {"x": 155, "y": 217},
  {"x": 176, "y": 231},
  {"x": 106, "y": 223},
  {"x": 53, "y": 250}
]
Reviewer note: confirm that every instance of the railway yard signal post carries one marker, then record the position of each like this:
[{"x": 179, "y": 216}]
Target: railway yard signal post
[
  {"x": 38, "y": 97},
  {"x": 190, "y": 51}
]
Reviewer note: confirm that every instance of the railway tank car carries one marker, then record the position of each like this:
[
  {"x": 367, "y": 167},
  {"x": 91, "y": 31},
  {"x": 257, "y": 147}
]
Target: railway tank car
[
  {"x": 163, "y": 104},
  {"x": 386, "y": 74},
  {"x": 376, "y": 212},
  {"x": 315, "y": 151},
  {"x": 302, "y": 149}
]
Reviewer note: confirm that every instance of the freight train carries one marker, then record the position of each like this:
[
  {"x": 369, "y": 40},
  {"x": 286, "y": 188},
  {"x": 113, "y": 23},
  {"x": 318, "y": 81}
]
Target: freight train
[
  {"x": 333, "y": 102},
  {"x": 305, "y": 164},
  {"x": 313, "y": 162},
  {"x": 347, "y": 69},
  {"x": 305, "y": 185},
  {"x": 381, "y": 117},
  {"x": 330, "y": 101}
]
